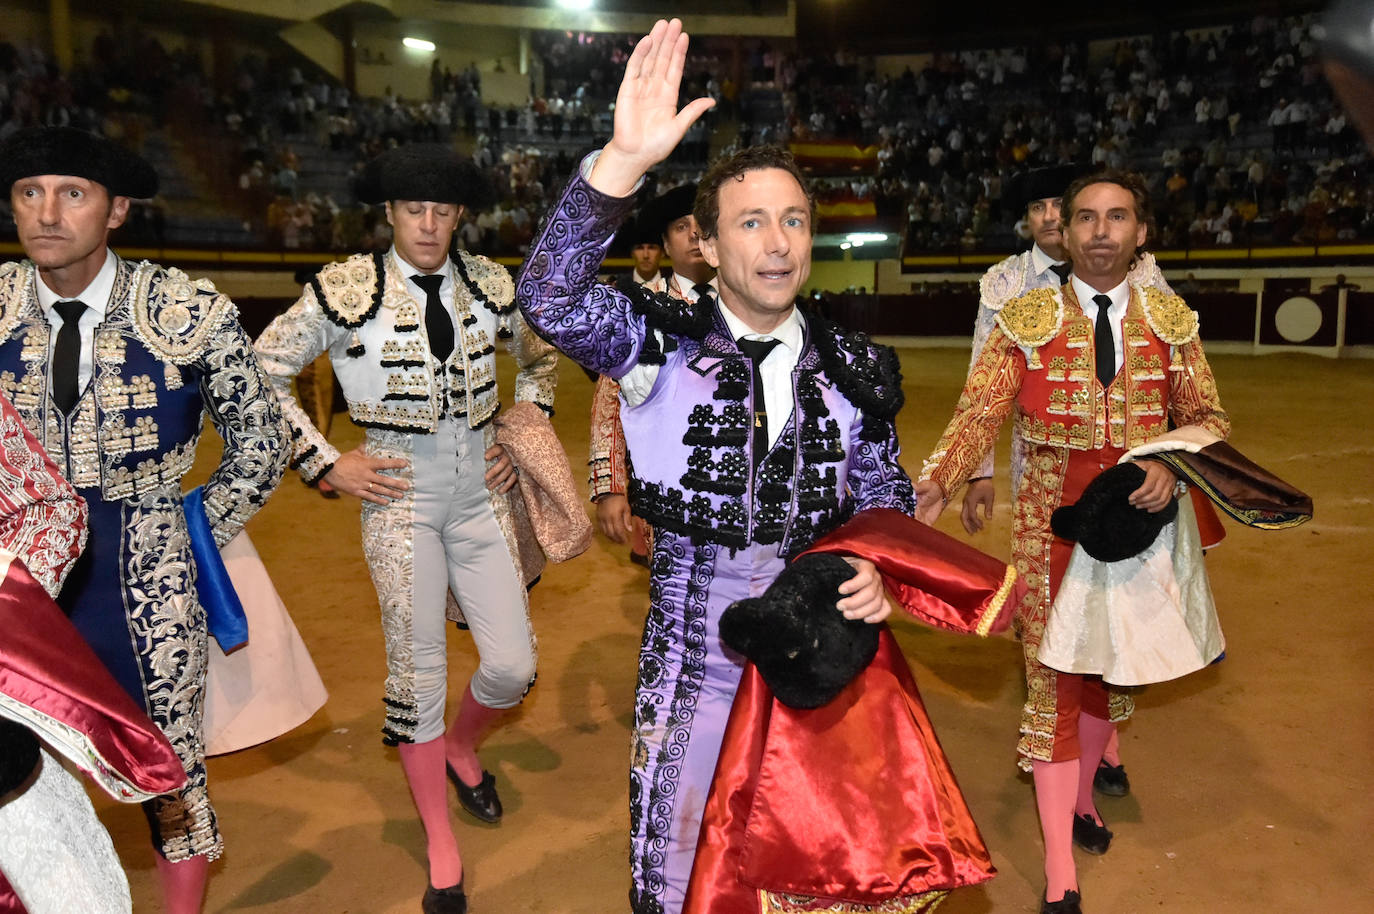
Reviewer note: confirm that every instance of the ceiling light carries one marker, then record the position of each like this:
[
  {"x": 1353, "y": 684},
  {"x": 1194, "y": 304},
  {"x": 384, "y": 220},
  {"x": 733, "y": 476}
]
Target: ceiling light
[
  {"x": 418, "y": 44},
  {"x": 575, "y": 4},
  {"x": 858, "y": 238}
]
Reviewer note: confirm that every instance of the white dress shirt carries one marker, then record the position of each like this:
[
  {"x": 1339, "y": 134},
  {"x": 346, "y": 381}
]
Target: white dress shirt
[
  {"x": 1041, "y": 263},
  {"x": 775, "y": 369},
  {"x": 638, "y": 382},
  {"x": 681, "y": 285},
  {"x": 655, "y": 283},
  {"x": 1120, "y": 296},
  {"x": 96, "y": 298}
]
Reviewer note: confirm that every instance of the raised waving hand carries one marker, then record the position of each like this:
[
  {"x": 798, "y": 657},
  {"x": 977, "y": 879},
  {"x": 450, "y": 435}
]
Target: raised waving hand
[{"x": 648, "y": 125}]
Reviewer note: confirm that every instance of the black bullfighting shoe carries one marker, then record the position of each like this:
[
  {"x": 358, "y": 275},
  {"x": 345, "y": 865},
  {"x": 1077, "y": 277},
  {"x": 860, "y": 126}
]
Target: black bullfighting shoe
[
  {"x": 1071, "y": 903},
  {"x": 1110, "y": 780},
  {"x": 480, "y": 800},
  {"x": 451, "y": 900},
  {"x": 1093, "y": 838}
]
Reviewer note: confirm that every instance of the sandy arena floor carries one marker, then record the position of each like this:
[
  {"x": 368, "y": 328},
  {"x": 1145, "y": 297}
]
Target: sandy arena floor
[{"x": 1251, "y": 780}]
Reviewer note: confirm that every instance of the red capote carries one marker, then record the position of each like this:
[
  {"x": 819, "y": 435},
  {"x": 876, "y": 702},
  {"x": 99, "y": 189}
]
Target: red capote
[
  {"x": 50, "y": 679},
  {"x": 853, "y": 802}
]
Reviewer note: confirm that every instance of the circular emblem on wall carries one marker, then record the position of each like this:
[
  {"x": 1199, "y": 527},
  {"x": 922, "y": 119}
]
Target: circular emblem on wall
[{"x": 1298, "y": 319}]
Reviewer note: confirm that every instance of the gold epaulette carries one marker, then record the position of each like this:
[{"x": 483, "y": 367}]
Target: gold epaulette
[
  {"x": 1033, "y": 319},
  {"x": 1168, "y": 316}
]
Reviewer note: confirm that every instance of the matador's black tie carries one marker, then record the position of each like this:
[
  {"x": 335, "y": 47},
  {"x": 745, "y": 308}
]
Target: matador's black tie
[
  {"x": 1103, "y": 343},
  {"x": 756, "y": 351},
  {"x": 66, "y": 355},
  {"x": 438, "y": 323}
]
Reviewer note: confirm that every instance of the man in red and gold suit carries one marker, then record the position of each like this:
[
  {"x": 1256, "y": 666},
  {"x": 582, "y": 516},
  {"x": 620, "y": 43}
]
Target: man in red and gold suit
[{"x": 1090, "y": 370}]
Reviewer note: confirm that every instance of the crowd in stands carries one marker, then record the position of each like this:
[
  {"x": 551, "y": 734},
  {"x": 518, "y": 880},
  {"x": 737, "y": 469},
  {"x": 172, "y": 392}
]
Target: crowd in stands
[
  {"x": 1234, "y": 127},
  {"x": 120, "y": 93},
  {"x": 527, "y": 151}
]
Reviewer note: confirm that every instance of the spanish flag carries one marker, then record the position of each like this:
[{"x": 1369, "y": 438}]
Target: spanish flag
[{"x": 836, "y": 157}]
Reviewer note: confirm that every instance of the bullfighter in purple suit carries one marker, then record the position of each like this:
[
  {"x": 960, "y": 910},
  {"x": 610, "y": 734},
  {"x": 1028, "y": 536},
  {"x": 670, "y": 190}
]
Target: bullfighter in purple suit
[{"x": 738, "y": 461}]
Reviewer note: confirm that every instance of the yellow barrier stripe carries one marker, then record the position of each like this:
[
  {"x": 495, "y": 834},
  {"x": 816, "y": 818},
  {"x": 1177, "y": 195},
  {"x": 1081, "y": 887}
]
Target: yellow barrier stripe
[
  {"x": 1284, "y": 252},
  {"x": 930, "y": 261},
  {"x": 1218, "y": 255}
]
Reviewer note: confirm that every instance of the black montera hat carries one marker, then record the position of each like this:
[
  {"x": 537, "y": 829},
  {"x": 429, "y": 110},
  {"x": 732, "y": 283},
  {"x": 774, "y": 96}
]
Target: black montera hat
[
  {"x": 669, "y": 207},
  {"x": 642, "y": 230},
  {"x": 1105, "y": 523},
  {"x": 425, "y": 171},
  {"x": 68, "y": 151},
  {"x": 1043, "y": 183},
  {"x": 805, "y": 650}
]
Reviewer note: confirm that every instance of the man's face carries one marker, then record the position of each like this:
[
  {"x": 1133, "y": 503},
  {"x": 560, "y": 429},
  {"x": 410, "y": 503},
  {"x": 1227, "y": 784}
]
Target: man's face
[
  {"x": 64, "y": 220},
  {"x": 647, "y": 257},
  {"x": 423, "y": 231},
  {"x": 762, "y": 249},
  {"x": 1102, "y": 234},
  {"x": 1045, "y": 225},
  {"x": 682, "y": 242}
]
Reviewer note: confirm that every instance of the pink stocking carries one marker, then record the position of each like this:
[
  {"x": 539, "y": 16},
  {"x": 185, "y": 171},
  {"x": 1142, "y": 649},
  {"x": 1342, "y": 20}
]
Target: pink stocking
[
  {"x": 424, "y": 767},
  {"x": 460, "y": 743},
  {"x": 1094, "y": 734},
  {"x": 1113, "y": 754},
  {"x": 1055, "y": 786},
  {"x": 183, "y": 883}
]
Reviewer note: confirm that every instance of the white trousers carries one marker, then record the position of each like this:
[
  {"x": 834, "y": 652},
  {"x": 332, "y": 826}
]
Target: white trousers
[{"x": 455, "y": 542}]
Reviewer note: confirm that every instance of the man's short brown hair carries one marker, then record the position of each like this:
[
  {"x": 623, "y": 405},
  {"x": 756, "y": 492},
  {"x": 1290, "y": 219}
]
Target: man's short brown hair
[
  {"x": 754, "y": 158},
  {"x": 1128, "y": 180}
]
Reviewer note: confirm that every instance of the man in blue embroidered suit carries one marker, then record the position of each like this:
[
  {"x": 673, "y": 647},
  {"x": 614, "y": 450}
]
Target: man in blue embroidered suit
[
  {"x": 751, "y": 430},
  {"x": 114, "y": 366},
  {"x": 411, "y": 336}
]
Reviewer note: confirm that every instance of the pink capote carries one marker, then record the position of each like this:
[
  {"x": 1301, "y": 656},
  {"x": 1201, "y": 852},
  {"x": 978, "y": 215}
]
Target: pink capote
[
  {"x": 549, "y": 516},
  {"x": 853, "y": 802},
  {"x": 51, "y": 681}
]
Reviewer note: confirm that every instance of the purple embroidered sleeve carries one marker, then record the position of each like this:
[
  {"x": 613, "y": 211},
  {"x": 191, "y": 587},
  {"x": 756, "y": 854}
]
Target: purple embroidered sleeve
[
  {"x": 876, "y": 479},
  {"x": 557, "y": 289}
]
